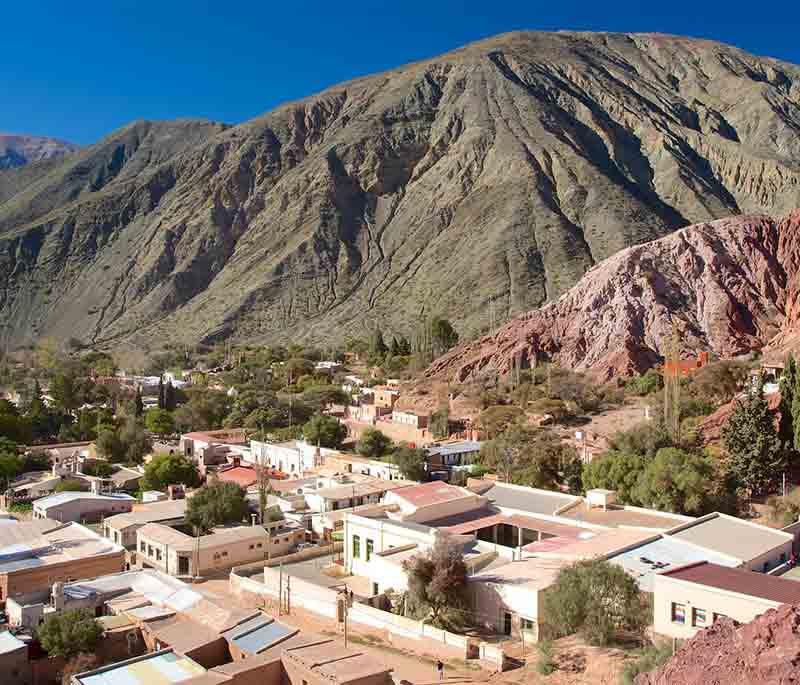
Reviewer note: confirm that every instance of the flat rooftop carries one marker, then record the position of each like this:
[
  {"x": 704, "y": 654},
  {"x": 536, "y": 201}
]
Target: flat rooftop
[
  {"x": 662, "y": 554},
  {"x": 598, "y": 543},
  {"x": 69, "y": 542},
  {"x": 615, "y": 516},
  {"x": 528, "y": 500},
  {"x": 161, "y": 668},
  {"x": 535, "y": 573},
  {"x": 733, "y": 537},
  {"x": 741, "y": 581},
  {"x": 152, "y": 512},
  {"x": 332, "y": 662},
  {"x": 65, "y": 497}
]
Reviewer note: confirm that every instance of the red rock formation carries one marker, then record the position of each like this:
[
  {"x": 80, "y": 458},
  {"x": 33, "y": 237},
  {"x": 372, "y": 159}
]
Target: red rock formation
[
  {"x": 730, "y": 286},
  {"x": 710, "y": 428},
  {"x": 765, "y": 651}
]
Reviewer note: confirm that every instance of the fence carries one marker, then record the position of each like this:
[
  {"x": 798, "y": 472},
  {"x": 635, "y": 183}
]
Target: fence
[
  {"x": 322, "y": 601},
  {"x": 257, "y": 567}
]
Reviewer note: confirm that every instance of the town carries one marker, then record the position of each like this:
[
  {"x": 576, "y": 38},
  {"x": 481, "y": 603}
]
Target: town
[{"x": 262, "y": 549}]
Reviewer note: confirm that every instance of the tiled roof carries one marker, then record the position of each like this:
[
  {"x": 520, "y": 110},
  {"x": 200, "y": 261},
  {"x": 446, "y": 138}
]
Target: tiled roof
[
  {"x": 242, "y": 475},
  {"x": 738, "y": 580}
]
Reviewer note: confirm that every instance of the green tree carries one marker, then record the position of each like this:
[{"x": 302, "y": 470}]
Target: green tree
[
  {"x": 109, "y": 445},
  {"x": 138, "y": 404},
  {"x": 787, "y": 385},
  {"x": 615, "y": 470},
  {"x": 71, "y": 485},
  {"x": 373, "y": 444},
  {"x": 135, "y": 441},
  {"x": 677, "y": 481},
  {"x": 217, "y": 504},
  {"x": 528, "y": 456},
  {"x": 169, "y": 469},
  {"x": 597, "y": 599},
  {"x": 11, "y": 464},
  {"x": 410, "y": 461},
  {"x": 643, "y": 439},
  {"x": 99, "y": 469},
  {"x": 63, "y": 389},
  {"x": 443, "y": 336},
  {"x": 437, "y": 584},
  {"x": 495, "y": 420},
  {"x": 70, "y": 632},
  {"x": 160, "y": 422},
  {"x": 649, "y": 382},
  {"x": 325, "y": 431},
  {"x": 757, "y": 458},
  {"x": 719, "y": 382},
  {"x": 377, "y": 347}
]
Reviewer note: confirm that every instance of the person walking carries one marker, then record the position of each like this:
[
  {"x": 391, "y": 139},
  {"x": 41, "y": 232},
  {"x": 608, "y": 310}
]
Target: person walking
[{"x": 440, "y": 670}]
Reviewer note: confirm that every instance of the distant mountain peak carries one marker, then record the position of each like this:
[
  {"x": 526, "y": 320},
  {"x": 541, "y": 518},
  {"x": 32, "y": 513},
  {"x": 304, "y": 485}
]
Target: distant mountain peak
[{"x": 18, "y": 149}]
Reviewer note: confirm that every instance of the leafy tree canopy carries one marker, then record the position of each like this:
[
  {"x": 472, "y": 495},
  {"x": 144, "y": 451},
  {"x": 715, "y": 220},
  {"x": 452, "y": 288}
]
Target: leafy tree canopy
[
  {"x": 410, "y": 461},
  {"x": 373, "y": 444},
  {"x": 325, "y": 431},
  {"x": 159, "y": 421},
  {"x": 217, "y": 504},
  {"x": 70, "y": 632},
  {"x": 169, "y": 469}
]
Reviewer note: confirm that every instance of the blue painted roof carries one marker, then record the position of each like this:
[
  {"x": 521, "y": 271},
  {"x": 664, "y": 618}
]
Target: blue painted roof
[{"x": 261, "y": 638}]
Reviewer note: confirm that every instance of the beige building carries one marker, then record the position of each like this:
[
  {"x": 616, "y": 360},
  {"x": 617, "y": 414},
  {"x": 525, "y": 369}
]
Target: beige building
[
  {"x": 178, "y": 554},
  {"x": 690, "y": 598},
  {"x": 122, "y": 528},
  {"x": 81, "y": 507}
]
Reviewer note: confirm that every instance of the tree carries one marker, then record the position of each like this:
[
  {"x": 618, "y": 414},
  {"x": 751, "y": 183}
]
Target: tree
[
  {"x": 527, "y": 456},
  {"x": 170, "y": 396},
  {"x": 134, "y": 440},
  {"x": 677, "y": 481},
  {"x": 79, "y": 664},
  {"x": 787, "y": 385},
  {"x": 99, "y": 469},
  {"x": 644, "y": 439},
  {"x": 138, "y": 404},
  {"x": 109, "y": 445},
  {"x": 757, "y": 458},
  {"x": 217, "y": 504},
  {"x": 649, "y": 382},
  {"x": 11, "y": 464},
  {"x": 411, "y": 462},
  {"x": 615, "y": 470},
  {"x": 71, "y": 485},
  {"x": 373, "y": 444},
  {"x": 160, "y": 422},
  {"x": 437, "y": 583},
  {"x": 320, "y": 397},
  {"x": 169, "y": 469},
  {"x": 325, "y": 431},
  {"x": 64, "y": 391},
  {"x": 69, "y": 633},
  {"x": 377, "y": 347},
  {"x": 443, "y": 336},
  {"x": 597, "y": 599},
  {"x": 495, "y": 420}
]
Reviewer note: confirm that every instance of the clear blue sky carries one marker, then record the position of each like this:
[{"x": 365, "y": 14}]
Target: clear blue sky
[{"x": 79, "y": 70}]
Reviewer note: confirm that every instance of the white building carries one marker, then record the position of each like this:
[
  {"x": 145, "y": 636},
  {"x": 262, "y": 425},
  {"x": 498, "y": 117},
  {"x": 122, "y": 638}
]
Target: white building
[
  {"x": 81, "y": 506},
  {"x": 295, "y": 457}
]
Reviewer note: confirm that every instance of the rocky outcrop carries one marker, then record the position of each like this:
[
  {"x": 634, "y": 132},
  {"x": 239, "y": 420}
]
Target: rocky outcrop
[
  {"x": 765, "y": 651},
  {"x": 18, "y": 150},
  {"x": 728, "y": 286},
  {"x": 477, "y": 185}
]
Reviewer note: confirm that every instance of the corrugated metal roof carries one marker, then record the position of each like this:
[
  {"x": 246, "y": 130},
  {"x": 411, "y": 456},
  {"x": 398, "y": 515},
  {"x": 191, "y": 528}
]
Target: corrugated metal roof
[
  {"x": 259, "y": 639},
  {"x": 528, "y": 499},
  {"x": 158, "y": 669},
  {"x": 744, "y": 582}
]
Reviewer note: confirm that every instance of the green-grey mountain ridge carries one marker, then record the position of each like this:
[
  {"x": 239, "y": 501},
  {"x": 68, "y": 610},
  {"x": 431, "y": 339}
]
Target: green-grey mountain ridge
[{"x": 475, "y": 185}]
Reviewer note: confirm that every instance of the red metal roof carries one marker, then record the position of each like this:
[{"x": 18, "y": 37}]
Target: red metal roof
[
  {"x": 435, "y": 492},
  {"x": 243, "y": 475},
  {"x": 750, "y": 583}
]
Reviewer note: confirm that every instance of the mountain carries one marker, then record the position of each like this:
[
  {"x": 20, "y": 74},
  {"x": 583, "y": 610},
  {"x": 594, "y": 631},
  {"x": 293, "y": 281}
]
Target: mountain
[
  {"x": 477, "y": 185},
  {"x": 18, "y": 150},
  {"x": 730, "y": 286},
  {"x": 765, "y": 651}
]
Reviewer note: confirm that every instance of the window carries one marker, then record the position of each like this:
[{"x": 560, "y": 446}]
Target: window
[
  {"x": 252, "y": 546},
  {"x": 259, "y": 545},
  {"x": 783, "y": 557},
  {"x": 526, "y": 624},
  {"x": 142, "y": 547},
  {"x": 370, "y": 547},
  {"x": 149, "y": 550},
  {"x": 224, "y": 554},
  {"x": 356, "y": 547},
  {"x": 158, "y": 554},
  {"x": 699, "y": 617},
  {"x": 678, "y": 613},
  {"x": 766, "y": 567}
]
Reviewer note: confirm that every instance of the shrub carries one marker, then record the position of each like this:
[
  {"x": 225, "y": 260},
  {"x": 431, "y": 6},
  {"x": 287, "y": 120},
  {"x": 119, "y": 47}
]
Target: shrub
[
  {"x": 545, "y": 665},
  {"x": 649, "y": 659}
]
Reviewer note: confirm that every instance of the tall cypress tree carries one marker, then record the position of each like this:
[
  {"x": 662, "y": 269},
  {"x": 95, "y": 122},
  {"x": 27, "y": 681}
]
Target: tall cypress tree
[
  {"x": 138, "y": 405},
  {"x": 757, "y": 457},
  {"x": 787, "y": 387},
  {"x": 161, "y": 399}
]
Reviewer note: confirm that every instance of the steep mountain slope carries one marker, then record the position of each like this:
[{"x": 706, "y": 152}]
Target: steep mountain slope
[
  {"x": 730, "y": 286},
  {"x": 17, "y": 150},
  {"x": 480, "y": 184}
]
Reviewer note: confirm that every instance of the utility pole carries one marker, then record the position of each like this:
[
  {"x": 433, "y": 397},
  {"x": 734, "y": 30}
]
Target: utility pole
[
  {"x": 280, "y": 590},
  {"x": 288, "y": 595}
]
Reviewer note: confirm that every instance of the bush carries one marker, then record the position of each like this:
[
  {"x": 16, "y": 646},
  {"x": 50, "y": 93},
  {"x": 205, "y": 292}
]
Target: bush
[
  {"x": 373, "y": 444},
  {"x": 648, "y": 383},
  {"x": 215, "y": 505},
  {"x": 597, "y": 599},
  {"x": 69, "y": 633},
  {"x": 546, "y": 664},
  {"x": 71, "y": 485},
  {"x": 649, "y": 659}
]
